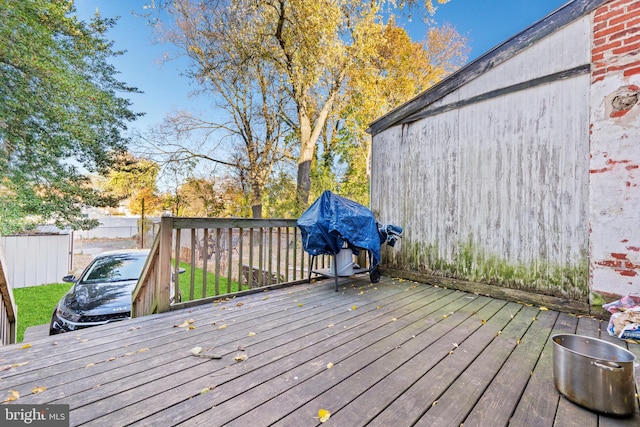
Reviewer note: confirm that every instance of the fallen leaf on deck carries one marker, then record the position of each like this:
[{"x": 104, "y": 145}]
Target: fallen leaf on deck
[
  {"x": 324, "y": 415},
  {"x": 241, "y": 358},
  {"x": 444, "y": 316},
  {"x": 299, "y": 304},
  {"x": 26, "y": 346},
  {"x": 240, "y": 304},
  {"x": 222, "y": 326},
  {"x": 90, "y": 365},
  {"x": 329, "y": 365},
  {"x": 484, "y": 322},
  {"x": 251, "y": 334},
  {"x": 191, "y": 327},
  {"x": 354, "y": 307},
  {"x": 205, "y": 390},
  {"x": 13, "y": 396},
  {"x": 435, "y": 402},
  {"x": 544, "y": 309},
  {"x": 196, "y": 350},
  {"x": 394, "y": 319},
  {"x": 111, "y": 359},
  {"x": 37, "y": 390},
  {"x": 186, "y": 323}
]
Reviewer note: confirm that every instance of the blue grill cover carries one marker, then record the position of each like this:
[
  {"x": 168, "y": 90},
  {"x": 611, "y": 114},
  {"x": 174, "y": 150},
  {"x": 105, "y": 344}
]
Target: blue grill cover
[{"x": 332, "y": 220}]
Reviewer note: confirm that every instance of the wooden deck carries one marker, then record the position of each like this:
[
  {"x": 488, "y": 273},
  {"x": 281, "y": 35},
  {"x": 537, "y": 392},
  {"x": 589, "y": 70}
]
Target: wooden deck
[{"x": 396, "y": 353}]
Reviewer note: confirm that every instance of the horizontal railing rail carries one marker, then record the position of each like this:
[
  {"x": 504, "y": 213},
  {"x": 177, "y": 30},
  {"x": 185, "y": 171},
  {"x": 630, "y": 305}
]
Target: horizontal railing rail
[{"x": 197, "y": 260}]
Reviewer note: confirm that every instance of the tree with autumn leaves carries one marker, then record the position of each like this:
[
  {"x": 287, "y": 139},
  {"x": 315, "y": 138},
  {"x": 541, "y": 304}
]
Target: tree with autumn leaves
[
  {"x": 299, "y": 80},
  {"x": 319, "y": 69},
  {"x": 399, "y": 69},
  {"x": 62, "y": 113}
]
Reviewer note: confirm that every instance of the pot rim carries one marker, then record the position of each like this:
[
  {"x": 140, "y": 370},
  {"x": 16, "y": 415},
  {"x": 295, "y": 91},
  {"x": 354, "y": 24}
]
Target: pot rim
[{"x": 632, "y": 357}]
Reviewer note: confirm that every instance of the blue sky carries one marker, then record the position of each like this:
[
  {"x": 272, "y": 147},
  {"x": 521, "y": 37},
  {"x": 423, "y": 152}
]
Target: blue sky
[{"x": 486, "y": 23}]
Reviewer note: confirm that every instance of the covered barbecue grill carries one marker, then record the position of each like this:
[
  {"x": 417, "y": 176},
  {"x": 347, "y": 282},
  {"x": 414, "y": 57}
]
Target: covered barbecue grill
[{"x": 338, "y": 226}]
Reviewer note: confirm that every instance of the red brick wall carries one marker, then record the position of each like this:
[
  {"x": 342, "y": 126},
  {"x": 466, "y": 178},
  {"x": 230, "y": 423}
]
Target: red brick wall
[
  {"x": 616, "y": 39},
  {"x": 614, "y": 185}
]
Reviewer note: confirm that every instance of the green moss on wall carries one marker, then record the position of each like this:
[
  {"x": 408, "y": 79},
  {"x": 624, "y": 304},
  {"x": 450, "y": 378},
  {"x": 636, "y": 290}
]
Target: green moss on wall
[
  {"x": 596, "y": 299},
  {"x": 473, "y": 264}
]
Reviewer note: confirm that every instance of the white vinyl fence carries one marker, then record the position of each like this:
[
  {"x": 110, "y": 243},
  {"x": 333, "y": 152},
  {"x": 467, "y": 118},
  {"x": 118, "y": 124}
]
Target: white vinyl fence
[
  {"x": 37, "y": 259},
  {"x": 111, "y": 227}
]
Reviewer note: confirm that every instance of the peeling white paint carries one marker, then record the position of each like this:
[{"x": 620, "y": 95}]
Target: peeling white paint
[{"x": 543, "y": 176}]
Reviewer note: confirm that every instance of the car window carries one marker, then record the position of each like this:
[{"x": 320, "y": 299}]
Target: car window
[{"x": 115, "y": 268}]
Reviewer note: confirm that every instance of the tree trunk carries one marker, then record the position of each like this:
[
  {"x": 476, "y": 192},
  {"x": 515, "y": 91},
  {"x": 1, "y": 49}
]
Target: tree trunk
[
  {"x": 307, "y": 145},
  {"x": 303, "y": 184},
  {"x": 256, "y": 202},
  {"x": 256, "y": 211}
]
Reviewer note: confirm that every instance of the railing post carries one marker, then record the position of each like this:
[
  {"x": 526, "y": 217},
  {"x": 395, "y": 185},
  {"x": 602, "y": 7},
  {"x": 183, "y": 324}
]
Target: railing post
[
  {"x": 164, "y": 282},
  {"x": 8, "y": 308}
]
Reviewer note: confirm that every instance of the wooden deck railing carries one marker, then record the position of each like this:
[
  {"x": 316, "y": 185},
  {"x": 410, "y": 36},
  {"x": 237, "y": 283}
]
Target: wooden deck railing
[
  {"x": 7, "y": 306},
  {"x": 218, "y": 257}
]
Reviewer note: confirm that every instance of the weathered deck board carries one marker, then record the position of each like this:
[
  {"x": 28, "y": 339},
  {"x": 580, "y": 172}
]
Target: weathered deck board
[
  {"x": 401, "y": 354},
  {"x": 393, "y": 350},
  {"x": 453, "y": 405},
  {"x": 381, "y": 381},
  {"x": 501, "y": 397}
]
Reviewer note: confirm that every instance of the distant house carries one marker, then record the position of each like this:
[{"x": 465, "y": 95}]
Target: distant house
[{"x": 521, "y": 170}]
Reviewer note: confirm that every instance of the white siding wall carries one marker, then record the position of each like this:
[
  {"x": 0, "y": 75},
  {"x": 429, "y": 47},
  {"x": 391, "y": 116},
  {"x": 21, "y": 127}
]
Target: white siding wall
[{"x": 497, "y": 191}]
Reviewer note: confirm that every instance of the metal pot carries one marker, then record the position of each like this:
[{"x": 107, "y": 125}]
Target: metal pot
[{"x": 594, "y": 373}]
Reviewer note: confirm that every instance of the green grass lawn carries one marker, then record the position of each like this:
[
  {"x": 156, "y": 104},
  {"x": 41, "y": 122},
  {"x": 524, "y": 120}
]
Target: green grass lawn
[
  {"x": 36, "y": 303},
  {"x": 184, "y": 281}
]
